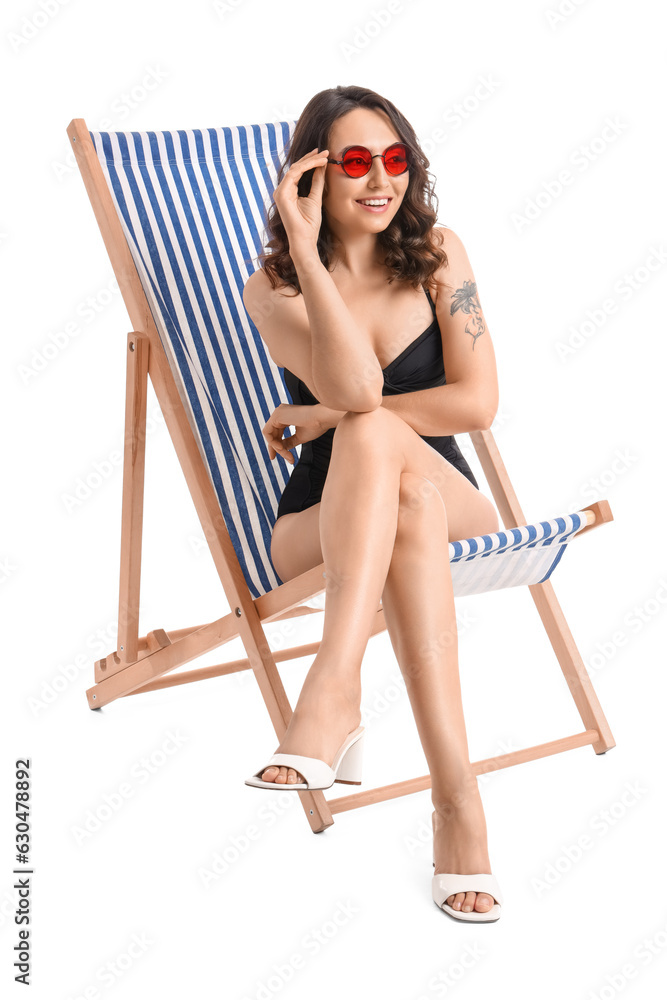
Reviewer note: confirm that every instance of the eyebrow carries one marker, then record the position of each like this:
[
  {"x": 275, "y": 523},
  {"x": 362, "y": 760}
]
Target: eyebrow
[{"x": 351, "y": 144}]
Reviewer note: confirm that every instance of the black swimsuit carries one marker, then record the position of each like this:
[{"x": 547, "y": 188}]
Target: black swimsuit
[{"x": 419, "y": 366}]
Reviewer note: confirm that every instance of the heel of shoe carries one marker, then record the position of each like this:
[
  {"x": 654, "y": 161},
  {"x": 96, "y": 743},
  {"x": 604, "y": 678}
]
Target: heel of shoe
[{"x": 349, "y": 769}]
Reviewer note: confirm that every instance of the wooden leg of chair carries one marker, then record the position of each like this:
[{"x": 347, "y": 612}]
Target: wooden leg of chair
[
  {"x": 553, "y": 619},
  {"x": 133, "y": 497},
  {"x": 572, "y": 665}
]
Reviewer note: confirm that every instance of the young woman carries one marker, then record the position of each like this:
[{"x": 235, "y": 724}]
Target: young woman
[{"x": 366, "y": 303}]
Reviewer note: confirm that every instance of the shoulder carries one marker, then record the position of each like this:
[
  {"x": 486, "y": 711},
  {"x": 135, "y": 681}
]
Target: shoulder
[
  {"x": 450, "y": 242},
  {"x": 268, "y": 305},
  {"x": 257, "y": 282},
  {"x": 282, "y": 322},
  {"x": 258, "y": 286},
  {"x": 449, "y": 275},
  {"x": 253, "y": 280}
]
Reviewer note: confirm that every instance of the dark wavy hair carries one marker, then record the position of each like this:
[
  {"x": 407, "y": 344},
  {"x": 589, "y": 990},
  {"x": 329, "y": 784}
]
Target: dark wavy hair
[{"x": 412, "y": 250}]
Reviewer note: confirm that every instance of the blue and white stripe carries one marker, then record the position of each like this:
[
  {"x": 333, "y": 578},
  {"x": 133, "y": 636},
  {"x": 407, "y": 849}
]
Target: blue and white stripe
[
  {"x": 511, "y": 558},
  {"x": 192, "y": 205}
]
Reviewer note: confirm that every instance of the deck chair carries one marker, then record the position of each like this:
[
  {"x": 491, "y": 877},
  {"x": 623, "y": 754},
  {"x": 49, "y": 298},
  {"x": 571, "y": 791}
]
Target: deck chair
[{"x": 182, "y": 215}]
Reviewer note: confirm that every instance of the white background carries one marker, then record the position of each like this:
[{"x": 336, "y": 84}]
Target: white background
[{"x": 571, "y": 429}]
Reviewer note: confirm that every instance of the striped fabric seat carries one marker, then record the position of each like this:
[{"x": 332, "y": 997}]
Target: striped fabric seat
[
  {"x": 192, "y": 205},
  {"x": 511, "y": 558}
]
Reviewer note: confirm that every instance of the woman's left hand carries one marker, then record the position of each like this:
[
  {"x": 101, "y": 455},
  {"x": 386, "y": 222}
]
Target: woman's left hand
[{"x": 306, "y": 420}]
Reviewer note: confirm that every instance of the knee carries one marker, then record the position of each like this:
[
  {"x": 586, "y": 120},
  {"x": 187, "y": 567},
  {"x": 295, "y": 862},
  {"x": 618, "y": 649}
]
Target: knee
[
  {"x": 414, "y": 490},
  {"x": 364, "y": 425},
  {"x": 360, "y": 417},
  {"x": 418, "y": 501}
]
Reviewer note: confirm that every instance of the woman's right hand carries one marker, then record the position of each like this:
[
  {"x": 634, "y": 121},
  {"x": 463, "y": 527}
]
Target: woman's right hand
[
  {"x": 307, "y": 421},
  {"x": 302, "y": 216}
]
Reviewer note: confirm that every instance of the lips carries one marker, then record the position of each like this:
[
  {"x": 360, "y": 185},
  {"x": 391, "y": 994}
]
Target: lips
[{"x": 374, "y": 208}]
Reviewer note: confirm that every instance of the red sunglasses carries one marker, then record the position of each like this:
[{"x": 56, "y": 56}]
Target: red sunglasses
[{"x": 357, "y": 160}]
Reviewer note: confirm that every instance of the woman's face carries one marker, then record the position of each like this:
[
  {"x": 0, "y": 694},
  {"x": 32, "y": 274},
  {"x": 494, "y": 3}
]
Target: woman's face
[{"x": 342, "y": 194}]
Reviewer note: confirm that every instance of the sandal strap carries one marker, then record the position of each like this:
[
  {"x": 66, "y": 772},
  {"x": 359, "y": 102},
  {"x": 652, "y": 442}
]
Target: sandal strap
[{"x": 448, "y": 884}]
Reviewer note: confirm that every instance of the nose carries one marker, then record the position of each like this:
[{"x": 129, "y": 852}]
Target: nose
[{"x": 377, "y": 175}]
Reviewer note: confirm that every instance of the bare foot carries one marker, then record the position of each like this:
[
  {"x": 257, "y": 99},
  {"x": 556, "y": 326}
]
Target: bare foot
[
  {"x": 327, "y": 710},
  {"x": 459, "y": 845}
]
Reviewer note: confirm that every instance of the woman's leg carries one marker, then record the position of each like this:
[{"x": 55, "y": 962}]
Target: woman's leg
[
  {"x": 418, "y": 605},
  {"x": 357, "y": 522}
]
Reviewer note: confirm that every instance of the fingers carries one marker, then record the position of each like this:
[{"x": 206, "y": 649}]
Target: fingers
[
  {"x": 284, "y": 453},
  {"x": 317, "y": 186},
  {"x": 314, "y": 154},
  {"x": 285, "y": 450},
  {"x": 274, "y": 429},
  {"x": 288, "y": 443},
  {"x": 310, "y": 161},
  {"x": 299, "y": 214},
  {"x": 277, "y": 447}
]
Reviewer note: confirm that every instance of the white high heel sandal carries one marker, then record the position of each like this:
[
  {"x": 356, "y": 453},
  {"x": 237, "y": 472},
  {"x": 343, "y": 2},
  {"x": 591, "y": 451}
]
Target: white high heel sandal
[
  {"x": 448, "y": 884},
  {"x": 346, "y": 767}
]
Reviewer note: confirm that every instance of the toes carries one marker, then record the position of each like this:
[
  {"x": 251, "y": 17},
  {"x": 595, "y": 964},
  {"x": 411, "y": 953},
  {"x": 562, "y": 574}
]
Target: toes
[
  {"x": 468, "y": 901},
  {"x": 281, "y": 775},
  {"x": 456, "y": 900},
  {"x": 484, "y": 902},
  {"x": 276, "y": 774}
]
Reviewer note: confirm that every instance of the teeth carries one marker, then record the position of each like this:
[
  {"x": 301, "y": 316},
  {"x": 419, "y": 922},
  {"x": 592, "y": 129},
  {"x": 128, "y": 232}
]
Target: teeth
[{"x": 375, "y": 201}]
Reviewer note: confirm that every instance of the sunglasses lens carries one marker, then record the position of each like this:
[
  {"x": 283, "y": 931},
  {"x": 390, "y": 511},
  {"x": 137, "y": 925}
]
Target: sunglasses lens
[
  {"x": 357, "y": 162},
  {"x": 396, "y": 159}
]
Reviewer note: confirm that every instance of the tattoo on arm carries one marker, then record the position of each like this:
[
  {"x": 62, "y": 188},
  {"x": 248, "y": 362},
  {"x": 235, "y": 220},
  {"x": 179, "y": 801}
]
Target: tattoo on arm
[{"x": 466, "y": 300}]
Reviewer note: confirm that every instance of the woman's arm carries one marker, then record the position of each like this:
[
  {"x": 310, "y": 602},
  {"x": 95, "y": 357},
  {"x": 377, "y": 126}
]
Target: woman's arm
[
  {"x": 330, "y": 418},
  {"x": 284, "y": 326},
  {"x": 346, "y": 372},
  {"x": 469, "y": 400},
  {"x": 439, "y": 411}
]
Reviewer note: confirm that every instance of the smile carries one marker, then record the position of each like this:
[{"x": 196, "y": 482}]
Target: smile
[{"x": 376, "y": 204}]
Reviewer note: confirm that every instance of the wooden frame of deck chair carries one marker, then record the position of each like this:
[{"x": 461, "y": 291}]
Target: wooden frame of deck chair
[{"x": 182, "y": 215}]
